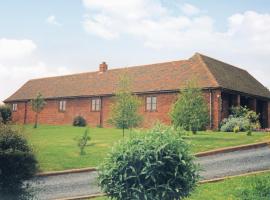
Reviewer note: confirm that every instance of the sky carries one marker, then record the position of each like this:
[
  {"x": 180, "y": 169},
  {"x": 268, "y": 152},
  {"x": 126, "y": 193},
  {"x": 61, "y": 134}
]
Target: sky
[{"x": 55, "y": 37}]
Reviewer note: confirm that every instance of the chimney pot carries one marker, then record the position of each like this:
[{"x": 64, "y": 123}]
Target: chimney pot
[{"x": 103, "y": 67}]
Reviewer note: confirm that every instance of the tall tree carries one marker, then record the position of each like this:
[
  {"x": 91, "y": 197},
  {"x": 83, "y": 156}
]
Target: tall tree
[
  {"x": 124, "y": 112},
  {"x": 190, "y": 110},
  {"x": 37, "y": 106}
]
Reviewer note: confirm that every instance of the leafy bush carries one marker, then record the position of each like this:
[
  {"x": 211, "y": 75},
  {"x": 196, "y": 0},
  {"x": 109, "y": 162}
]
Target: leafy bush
[
  {"x": 251, "y": 115},
  {"x": 190, "y": 110},
  {"x": 79, "y": 121},
  {"x": 257, "y": 189},
  {"x": 83, "y": 141},
  {"x": 242, "y": 118},
  {"x": 232, "y": 123},
  {"x": 5, "y": 113},
  {"x": 157, "y": 165},
  {"x": 17, "y": 161}
]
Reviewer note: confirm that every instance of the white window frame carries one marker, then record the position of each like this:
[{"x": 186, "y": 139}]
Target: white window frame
[
  {"x": 95, "y": 104},
  {"x": 151, "y": 103},
  {"x": 62, "y": 105},
  {"x": 14, "y": 107}
]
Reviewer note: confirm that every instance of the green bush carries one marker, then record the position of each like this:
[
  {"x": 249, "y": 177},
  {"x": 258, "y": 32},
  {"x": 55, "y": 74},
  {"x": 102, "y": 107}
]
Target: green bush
[
  {"x": 258, "y": 188},
  {"x": 242, "y": 117},
  {"x": 232, "y": 123},
  {"x": 156, "y": 165},
  {"x": 5, "y": 114},
  {"x": 251, "y": 115},
  {"x": 190, "y": 111},
  {"x": 79, "y": 121},
  {"x": 17, "y": 161}
]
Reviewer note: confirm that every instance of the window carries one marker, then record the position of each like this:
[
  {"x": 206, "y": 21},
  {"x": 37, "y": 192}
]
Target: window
[
  {"x": 14, "y": 107},
  {"x": 151, "y": 103},
  {"x": 96, "y": 104},
  {"x": 62, "y": 106}
]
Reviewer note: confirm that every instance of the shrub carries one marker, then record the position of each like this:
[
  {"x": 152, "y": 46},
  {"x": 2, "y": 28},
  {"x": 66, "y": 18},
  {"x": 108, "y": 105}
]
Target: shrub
[
  {"x": 233, "y": 123},
  {"x": 79, "y": 121},
  {"x": 17, "y": 161},
  {"x": 236, "y": 129},
  {"x": 190, "y": 110},
  {"x": 157, "y": 165},
  {"x": 242, "y": 117},
  {"x": 5, "y": 114}
]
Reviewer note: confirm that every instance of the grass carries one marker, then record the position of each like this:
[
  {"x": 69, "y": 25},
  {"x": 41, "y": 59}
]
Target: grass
[
  {"x": 56, "y": 146},
  {"x": 231, "y": 189}
]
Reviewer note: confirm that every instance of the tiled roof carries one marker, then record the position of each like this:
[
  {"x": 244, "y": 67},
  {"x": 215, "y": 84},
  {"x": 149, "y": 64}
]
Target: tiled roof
[
  {"x": 208, "y": 73},
  {"x": 233, "y": 78}
]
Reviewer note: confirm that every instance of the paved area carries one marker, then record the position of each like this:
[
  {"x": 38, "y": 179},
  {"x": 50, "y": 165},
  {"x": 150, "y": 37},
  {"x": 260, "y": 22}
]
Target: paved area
[
  {"x": 234, "y": 163},
  {"x": 214, "y": 166}
]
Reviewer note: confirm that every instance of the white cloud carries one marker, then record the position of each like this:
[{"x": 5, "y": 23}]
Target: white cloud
[
  {"x": 14, "y": 49},
  {"x": 52, "y": 20},
  {"x": 18, "y": 64},
  {"x": 185, "y": 29},
  {"x": 189, "y": 9}
]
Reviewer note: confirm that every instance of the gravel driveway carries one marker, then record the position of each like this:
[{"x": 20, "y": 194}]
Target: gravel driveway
[{"x": 214, "y": 166}]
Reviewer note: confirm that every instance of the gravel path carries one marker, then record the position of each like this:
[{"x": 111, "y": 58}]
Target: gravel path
[{"x": 214, "y": 166}]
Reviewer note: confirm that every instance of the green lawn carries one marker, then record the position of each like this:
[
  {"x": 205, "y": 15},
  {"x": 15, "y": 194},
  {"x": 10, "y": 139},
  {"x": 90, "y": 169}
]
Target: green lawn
[
  {"x": 56, "y": 146},
  {"x": 230, "y": 189}
]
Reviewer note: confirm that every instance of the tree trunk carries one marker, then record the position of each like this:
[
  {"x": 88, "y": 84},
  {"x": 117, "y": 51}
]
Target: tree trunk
[
  {"x": 123, "y": 132},
  {"x": 36, "y": 120}
]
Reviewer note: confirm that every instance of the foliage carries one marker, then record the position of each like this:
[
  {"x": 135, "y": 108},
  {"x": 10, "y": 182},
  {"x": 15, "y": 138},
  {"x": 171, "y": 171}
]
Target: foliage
[
  {"x": 83, "y": 141},
  {"x": 251, "y": 115},
  {"x": 190, "y": 110},
  {"x": 232, "y": 123},
  {"x": 157, "y": 165},
  {"x": 258, "y": 188},
  {"x": 124, "y": 112},
  {"x": 5, "y": 113},
  {"x": 79, "y": 121},
  {"x": 242, "y": 117},
  {"x": 37, "y": 106},
  {"x": 17, "y": 161}
]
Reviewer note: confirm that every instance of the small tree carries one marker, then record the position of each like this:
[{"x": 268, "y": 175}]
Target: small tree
[
  {"x": 83, "y": 141},
  {"x": 37, "y": 106},
  {"x": 124, "y": 113},
  {"x": 190, "y": 110}
]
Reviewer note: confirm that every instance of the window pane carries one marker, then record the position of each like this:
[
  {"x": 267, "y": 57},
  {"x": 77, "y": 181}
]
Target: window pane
[
  {"x": 60, "y": 105},
  {"x": 64, "y": 105},
  {"x": 148, "y": 100},
  {"x": 148, "y": 106},
  {"x": 98, "y": 105},
  {"x": 93, "y": 104},
  {"x": 154, "y": 100},
  {"x": 154, "y": 106}
]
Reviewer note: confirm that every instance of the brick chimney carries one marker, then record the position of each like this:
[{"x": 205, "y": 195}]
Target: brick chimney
[{"x": 103, "y": 67}]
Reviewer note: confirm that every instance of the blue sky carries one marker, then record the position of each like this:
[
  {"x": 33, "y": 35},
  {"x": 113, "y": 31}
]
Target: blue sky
[{"x": 55, "y": 37}]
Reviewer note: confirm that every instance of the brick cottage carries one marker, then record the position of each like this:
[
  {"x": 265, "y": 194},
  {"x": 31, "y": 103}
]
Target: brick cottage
[{"x": 90, "y": 94}]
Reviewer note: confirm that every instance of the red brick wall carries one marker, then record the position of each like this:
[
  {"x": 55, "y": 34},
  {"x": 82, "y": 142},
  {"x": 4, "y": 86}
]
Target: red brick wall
[
  {"x": 216, "y": 109},
  {"x": 82, "y": 106},
  {"x": 268, "y": 117}
]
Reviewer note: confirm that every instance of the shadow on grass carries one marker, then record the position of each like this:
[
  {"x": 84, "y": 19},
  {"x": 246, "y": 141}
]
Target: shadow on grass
[{"x": 17, "y": 194}]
